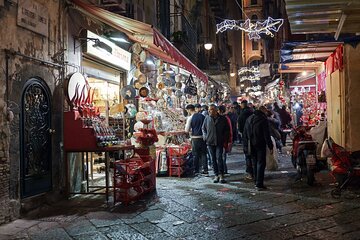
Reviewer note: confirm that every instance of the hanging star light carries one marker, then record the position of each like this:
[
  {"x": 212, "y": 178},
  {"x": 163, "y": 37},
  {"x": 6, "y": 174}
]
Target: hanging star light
[{"x": 268, "y": 27}]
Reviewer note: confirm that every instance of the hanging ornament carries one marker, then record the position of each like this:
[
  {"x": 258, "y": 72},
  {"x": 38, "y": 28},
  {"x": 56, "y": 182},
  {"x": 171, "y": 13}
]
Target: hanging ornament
[{"x": 268, "y": 27}]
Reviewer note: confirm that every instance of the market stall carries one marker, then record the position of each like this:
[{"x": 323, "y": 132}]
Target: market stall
[{"x": 160, "y": 81}]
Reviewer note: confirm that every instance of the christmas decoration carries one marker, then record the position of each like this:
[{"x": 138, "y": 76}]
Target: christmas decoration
[
  {"x": 254, "y": 30},
  {"x": 147, "y": 137},
  {"x": 249, "y": 74}
]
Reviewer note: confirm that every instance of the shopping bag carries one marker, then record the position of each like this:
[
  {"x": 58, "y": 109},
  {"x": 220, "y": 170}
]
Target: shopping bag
[
  {"x": 272, "y": 158},
  {"x": 190, "y": 86},
  {"x": 325, "y": 150}
]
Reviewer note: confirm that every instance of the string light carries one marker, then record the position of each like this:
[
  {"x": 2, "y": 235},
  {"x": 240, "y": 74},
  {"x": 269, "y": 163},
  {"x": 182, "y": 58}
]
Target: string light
[
  {"x": 249, "y": 74},
  {"x": 254, "y": 30}
]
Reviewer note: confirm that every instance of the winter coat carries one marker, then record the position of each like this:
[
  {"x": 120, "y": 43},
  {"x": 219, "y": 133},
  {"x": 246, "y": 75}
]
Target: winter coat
[
  {"x": 228, "y": 141},
  {"x": 285, "y": 118},
  {"x": 215, "y": 130},
  {"x": 256, "y": 132},
  {"x": 244, "y": 114}
]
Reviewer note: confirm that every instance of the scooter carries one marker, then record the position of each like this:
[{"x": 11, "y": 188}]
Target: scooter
[{"x": 303, "y": 155}]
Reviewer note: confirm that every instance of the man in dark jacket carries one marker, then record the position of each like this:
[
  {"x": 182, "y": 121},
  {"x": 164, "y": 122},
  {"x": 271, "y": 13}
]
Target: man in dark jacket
[
  {"x": 194, "y": 123},
  {"x": 244, "y": 114},
  {"x": 215, "y": 131},
  {"x": 256, "y": 138}
]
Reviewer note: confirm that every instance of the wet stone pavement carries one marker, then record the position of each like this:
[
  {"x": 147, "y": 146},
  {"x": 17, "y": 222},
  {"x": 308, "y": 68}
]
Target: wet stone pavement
[{"x": 196, "y": 208}]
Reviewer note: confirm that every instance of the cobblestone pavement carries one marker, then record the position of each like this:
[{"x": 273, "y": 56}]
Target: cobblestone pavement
[{"x": 196, "y": 208}]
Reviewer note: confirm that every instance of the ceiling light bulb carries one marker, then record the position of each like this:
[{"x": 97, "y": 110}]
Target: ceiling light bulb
[{"x": 303, "y": 73}]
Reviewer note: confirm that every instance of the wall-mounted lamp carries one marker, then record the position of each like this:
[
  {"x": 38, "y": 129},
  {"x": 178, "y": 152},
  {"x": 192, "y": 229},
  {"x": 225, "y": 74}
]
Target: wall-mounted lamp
[
  {"x": 117, "y": 36},
  {"x": 208, "y": 46},
  {"x": 103, "y": 46},
  {"x": 232, "y": 74}
]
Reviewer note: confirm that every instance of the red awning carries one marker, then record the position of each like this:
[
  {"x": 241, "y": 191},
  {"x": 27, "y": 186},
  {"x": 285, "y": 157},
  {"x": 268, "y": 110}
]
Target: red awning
[{"x": 150, "y": 38}]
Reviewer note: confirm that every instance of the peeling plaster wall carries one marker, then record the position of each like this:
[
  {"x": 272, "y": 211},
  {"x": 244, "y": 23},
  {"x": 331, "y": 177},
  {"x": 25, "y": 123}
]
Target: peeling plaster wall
[
  {"x": 352, "y": 91},
  {"x": 21, "y": 69}
]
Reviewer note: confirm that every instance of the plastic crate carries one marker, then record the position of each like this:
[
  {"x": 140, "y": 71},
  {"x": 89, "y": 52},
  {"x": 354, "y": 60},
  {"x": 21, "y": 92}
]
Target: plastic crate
[{"x": 181, "y": 150}]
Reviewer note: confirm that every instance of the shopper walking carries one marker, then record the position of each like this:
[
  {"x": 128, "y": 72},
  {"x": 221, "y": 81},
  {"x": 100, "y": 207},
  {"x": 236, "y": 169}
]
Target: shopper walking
[
  {"x": 194, "y": 126},
  {"x": 245, "y": 113},
  {"x": 227, "y": 142},
  {"x": 285, "y": 118},
  {"x": 257, "y": 138},
  {"x": 215, "y": 130},
  {"x": 233, "y": 118}
]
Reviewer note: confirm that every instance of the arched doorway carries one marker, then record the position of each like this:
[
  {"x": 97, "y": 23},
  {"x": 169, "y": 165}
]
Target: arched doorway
[{"x": 35, "y": 139}]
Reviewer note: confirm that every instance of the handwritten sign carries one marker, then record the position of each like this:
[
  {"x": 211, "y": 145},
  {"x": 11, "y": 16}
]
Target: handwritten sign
[{"x": 33, "y": 16}]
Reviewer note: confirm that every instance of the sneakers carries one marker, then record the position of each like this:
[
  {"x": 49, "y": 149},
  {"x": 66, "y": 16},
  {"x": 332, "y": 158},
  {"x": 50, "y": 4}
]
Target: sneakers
[
  {"x": 216, "y": 179},
  {"x": 249, "y": 177},
  {"x": 222, "y": 179}
]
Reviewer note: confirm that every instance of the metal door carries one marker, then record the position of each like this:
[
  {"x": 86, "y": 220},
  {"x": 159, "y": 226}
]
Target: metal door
[{"x": 35, "y": 139}]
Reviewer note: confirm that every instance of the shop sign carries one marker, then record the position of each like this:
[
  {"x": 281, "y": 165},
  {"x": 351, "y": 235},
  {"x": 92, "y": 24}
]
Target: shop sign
[
  {"x": 33, "y": 16},
  {"x": 108, "y": 51}
]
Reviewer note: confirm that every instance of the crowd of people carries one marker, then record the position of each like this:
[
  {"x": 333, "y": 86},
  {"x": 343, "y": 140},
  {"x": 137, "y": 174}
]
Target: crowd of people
[{"x": 214, "y": 129}]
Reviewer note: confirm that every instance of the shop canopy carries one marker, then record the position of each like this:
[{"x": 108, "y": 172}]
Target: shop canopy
[
  {"x": 145, "y": 34},
  {"x": 323, "y": 16},
  {"x": 305, "y": 56}
]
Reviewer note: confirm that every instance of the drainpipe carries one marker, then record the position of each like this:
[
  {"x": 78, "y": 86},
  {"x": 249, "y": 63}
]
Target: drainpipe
[{"x": 7, "y": 57}]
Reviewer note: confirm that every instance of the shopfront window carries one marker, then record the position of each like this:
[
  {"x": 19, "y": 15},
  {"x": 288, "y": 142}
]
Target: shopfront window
[{"x": 106, "y": 95}]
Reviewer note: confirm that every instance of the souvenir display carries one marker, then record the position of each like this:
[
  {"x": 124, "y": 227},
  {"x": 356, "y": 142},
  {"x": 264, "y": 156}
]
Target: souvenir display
[
  {"x": 143, "y": 92},
  {"x": 128, "y": 92}
]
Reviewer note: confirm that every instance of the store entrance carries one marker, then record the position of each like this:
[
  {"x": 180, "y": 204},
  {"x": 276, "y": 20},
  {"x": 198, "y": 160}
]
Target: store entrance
[{"x": 35, "y": 139}]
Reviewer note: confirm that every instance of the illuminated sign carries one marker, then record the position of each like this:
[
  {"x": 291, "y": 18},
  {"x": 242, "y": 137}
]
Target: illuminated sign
[{"x": 108, "y": 51}]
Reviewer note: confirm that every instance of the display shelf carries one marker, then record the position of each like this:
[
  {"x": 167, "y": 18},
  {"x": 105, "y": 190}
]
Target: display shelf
[
  {"x": 134, "y": 177},
  {"x": 95, "y": 189}
]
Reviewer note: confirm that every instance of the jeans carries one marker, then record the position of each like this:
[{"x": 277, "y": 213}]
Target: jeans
[
  {"x": 224, "y": 161},
  {"x": 249, "y": 166},
  {"x": 283, "y": 138},
  {"x": 258, "y": 157},
  {"x": 199, "y": 152},
  {"x": 216, "y": 154}
]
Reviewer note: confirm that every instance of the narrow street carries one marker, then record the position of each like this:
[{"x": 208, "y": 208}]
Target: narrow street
[{"x": 196, "y": 208}]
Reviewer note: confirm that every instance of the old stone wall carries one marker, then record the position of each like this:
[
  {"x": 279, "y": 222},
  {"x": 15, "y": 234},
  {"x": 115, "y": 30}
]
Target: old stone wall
[{"x": 33, "y": 50}]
